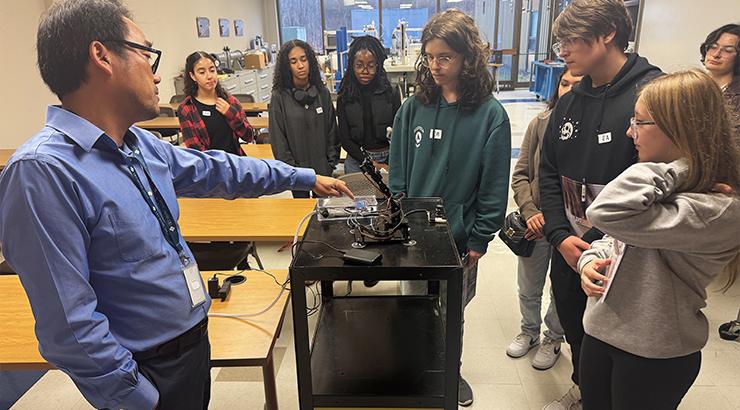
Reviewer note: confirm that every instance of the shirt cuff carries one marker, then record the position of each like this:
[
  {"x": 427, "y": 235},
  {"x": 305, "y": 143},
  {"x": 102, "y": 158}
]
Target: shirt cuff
[
  {"x": 557, "y": 237},
  {"x": 479, "y": 245},
  {"x": 144, "y": 396},
  {"x": 305, "y": 179}
]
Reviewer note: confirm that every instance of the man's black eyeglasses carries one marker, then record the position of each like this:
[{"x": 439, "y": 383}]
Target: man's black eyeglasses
[{"x": 143, "y": 48}]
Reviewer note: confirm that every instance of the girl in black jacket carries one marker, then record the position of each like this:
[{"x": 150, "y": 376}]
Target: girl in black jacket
[{"x": 366, "y": 105}]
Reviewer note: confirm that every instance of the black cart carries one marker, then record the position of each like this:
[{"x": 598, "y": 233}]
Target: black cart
[{"x": 379, "y": 351}]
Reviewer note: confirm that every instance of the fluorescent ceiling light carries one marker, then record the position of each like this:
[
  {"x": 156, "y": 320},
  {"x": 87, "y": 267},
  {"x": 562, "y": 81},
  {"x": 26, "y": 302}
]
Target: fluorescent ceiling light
[
  {"x": 406, "y": 5},
  {"x": 454, "y": 1}
]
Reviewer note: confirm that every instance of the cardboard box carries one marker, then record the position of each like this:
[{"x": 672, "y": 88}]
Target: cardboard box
[{"x": 255, "y": 61}]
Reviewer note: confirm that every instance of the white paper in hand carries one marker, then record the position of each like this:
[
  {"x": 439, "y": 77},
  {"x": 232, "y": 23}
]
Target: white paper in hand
[{"x": 618, "y": 248}]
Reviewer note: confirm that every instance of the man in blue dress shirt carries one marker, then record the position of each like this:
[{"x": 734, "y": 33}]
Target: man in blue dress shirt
[{"x": 88, "y": 217}]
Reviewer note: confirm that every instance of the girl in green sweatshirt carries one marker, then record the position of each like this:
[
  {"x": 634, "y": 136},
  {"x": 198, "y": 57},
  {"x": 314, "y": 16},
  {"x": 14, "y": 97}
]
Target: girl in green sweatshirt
[{"x": 452, "y": 140}]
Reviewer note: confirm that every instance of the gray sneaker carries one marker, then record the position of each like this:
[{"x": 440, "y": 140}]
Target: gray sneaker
[
  {"x": 522, "y": 344},
  {"x": 570, "y": 401},
  {"x": 547, "y": 354}
]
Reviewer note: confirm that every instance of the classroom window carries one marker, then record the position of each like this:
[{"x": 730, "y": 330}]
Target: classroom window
[
  {"x": 300, "y": 19},
  {"x": 415, "y": 12},
  {"x": 356, "y": 15}
]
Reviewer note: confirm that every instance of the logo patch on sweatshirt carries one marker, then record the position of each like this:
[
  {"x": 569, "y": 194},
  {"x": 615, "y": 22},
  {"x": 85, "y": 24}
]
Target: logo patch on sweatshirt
[
  {"x": 418, "y": 135},
  {"x": 569, "y": 129}
]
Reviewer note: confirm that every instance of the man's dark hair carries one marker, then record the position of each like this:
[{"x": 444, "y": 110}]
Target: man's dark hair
[
  {"x": 714, "y": 36},
  {"x": 283, "y": 78},
  {"x": 64, "y": 36}
]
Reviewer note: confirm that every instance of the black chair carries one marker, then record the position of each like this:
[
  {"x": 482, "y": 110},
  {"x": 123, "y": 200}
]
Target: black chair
[
  {"x": 263, "y": 136},
  {"x": 177, "y": 98},
  {"x": 224, "y": 255},
  {"x": 244, "y": 98},
  {"x": 169, "y": 135}
]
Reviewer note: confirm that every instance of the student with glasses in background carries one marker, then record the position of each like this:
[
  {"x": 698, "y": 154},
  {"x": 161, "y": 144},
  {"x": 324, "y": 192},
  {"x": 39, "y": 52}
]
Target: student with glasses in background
[
  {"x": 452, "y": 140},
  {"x": 88, "y": 218},
  {"x": 366, "y": 105},
  {"x": 719, "y": 53}
]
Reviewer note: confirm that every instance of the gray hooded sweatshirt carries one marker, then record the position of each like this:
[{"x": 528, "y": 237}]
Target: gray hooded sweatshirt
[{"x": 676, "y": 243}]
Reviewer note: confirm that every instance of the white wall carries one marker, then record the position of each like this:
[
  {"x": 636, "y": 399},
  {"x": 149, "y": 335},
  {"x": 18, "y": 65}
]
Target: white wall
[
  {"x": 24, "y": 96},
  {"x": 672, "y": 30},
  {"x": 170, "y": 24}
]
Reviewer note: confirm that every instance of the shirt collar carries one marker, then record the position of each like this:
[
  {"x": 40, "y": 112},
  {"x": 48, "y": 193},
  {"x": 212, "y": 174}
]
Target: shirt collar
[{"x": 78, "y": 129}]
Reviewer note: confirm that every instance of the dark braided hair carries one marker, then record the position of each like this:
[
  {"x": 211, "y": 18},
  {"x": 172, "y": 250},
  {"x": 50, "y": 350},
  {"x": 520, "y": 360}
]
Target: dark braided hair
[
  {"x": 283, "y": 78},
  {"x": 191, "y": 87},
  {"x": 350, "y": 87}
]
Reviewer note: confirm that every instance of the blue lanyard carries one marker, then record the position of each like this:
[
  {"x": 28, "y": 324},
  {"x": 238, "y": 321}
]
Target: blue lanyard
[{"x": 158, "y": 206}]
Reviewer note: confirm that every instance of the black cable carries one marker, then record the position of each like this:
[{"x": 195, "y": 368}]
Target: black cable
[
  {"x": 316, "y": 301},
  {"x": 315, "y": 257},
  {"x": 241, "y": 272}
]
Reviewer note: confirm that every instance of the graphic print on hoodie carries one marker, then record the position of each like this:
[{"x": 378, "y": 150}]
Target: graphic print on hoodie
[{"x": 586, "y": 146}]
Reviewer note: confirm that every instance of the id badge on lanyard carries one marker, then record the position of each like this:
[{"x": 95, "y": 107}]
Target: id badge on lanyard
[{"x": 194, "y": 281}]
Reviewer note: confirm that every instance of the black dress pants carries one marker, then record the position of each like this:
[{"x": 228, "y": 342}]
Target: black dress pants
[{"x": 183, "y": 378}]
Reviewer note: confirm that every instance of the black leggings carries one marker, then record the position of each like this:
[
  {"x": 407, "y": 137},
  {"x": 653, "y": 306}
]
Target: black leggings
[{"x": 614, "y": 379}]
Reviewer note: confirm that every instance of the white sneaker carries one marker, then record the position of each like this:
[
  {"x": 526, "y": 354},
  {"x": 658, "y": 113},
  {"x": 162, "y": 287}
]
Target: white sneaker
[
  {"x": 522, "y": 344},
  {"x": 570, "y": 401},
  {"x": 547, "y": 354}
]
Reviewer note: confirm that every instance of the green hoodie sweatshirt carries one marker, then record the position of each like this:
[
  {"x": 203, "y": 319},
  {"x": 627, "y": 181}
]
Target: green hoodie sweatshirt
[{"x": 439, "y": 151}]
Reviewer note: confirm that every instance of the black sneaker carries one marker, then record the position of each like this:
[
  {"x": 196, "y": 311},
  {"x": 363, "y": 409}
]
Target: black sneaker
[{"x": 464, "y": 393}]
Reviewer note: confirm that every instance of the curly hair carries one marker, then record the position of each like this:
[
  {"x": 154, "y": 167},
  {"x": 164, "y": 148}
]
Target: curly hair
[
  {"x": 191, "y": 87},
  {"x": 459, "y": 31},
  {"x": 350, "y": 87},
  {"x": 283, "y": 78}
]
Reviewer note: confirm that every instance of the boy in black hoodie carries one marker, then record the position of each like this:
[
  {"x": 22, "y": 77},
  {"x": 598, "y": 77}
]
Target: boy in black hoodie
[{"x": 586, "y": 146}]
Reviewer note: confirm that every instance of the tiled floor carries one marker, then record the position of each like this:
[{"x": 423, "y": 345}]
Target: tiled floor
[{"x": 492, "y": 320}]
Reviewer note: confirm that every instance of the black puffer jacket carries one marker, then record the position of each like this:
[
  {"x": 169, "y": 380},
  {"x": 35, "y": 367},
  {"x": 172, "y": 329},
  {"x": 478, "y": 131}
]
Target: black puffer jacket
[{"x": 383, "y": 104}]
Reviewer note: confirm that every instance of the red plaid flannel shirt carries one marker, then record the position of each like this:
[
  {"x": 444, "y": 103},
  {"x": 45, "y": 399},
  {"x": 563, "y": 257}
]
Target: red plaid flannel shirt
[{"x": 194, "y": 131}]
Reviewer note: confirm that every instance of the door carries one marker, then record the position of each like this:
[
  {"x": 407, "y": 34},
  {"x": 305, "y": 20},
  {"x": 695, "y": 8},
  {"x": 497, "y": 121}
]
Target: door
[{"x": 523, "y": 36}]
